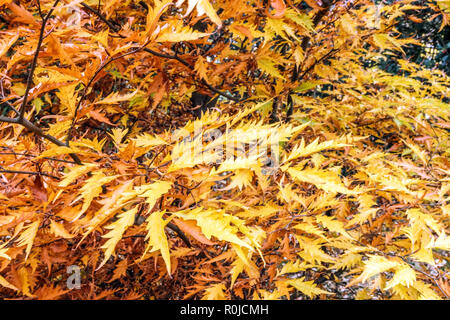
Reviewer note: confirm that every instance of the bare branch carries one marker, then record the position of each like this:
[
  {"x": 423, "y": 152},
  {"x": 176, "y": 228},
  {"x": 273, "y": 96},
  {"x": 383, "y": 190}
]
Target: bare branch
[
  {"x": 102, "y": 17},
  {"x": 33, "y": 173},
  {"x": 9, "y": 120}
]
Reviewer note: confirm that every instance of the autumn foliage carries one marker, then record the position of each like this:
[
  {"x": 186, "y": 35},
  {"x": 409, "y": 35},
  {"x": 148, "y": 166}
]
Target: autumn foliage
[{"x": 316, "y": 166}]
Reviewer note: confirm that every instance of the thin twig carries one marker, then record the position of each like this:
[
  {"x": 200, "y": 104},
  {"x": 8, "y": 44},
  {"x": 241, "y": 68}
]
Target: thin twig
[
  {"x": 35, "y": 58},
  {"x": 30, "y": 173},
  {"x": 33, "y": 156},
  {"x": 35, "y": 129},
  {"x": 162, "y": 55},
  {"x": 85, "y": 91},
  {"x": 102, "y": 17}
]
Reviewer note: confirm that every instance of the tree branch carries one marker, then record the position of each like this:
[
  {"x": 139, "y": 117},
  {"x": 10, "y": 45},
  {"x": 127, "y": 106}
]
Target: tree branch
[
  {"x": 35, "y": 129},
  {"x": 102, "y": 17},
  {"x": 16, "y": 154},
  {"x": 35, "y": 58},
  {"x": 30, "y": 173}
]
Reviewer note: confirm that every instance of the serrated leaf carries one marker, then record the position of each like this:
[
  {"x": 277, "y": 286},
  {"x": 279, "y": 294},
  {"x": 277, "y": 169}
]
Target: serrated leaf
[
  {"x": 215, "y": 292},
  {"x": 268, "y": 65},
  {"x": 324, "y": 179},
  {"x": 374, "y": 266},
  {"x": 306, "y": 287},
  {"x": 27, "y": 237},
  {"x": 118, "y": 227},
  {"x": 6, "y": 284},
  {"x": 156, "y": 237},
  {"x": 75, "y": 173},
  {"x": 180, "y": 33},
  {"x": 116, "y": 97},
  {"x": 203, "y": 7}
]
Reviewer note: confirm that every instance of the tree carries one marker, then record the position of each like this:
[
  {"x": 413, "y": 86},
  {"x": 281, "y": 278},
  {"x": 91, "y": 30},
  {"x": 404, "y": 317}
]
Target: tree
[{"x": 318, "y": 164}]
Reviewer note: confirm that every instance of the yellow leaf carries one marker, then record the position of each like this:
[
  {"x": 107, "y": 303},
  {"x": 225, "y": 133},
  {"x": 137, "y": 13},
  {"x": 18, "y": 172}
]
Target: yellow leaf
[
  {"x": 238, "y": 268},
  {"x": 303, "y": 151},
  {"x": 24, "y": 277},
  {"x": 215, "y": 292},
  {"x": 404, "y": 275},
  {"x": 216, "y": 223},
  {"x": 203, "y": 7},
  {"x": 102, "y": 37},
  {"x": 3, "y": 253},
  {"x": 93, "y": 144},
  {"x": 242, "y": 178},
  {"x": 156, "y": 237},
  {"x": 148, "y": 140},
  {"x": 426, "y": 293},
  {"x": 91, "y": 189},
  {"x": 306, "y": 287},
  {"x": 154, "y": 13},
  {"x": 152, "y": 192},
  {"x": 421, "y": 154},
  {"x": 76, "y": 172},
  {"x": 59, "y": 230},
  {"x": 326, "y": 180},
  {"x": 269, "y": 65},
  {"x": 333, "y": 225},
  {"x": 375, "y": 265},
  {"x": 180, "y": 33},
  {"x": 117, "y": 134},
  {"x": 116, "y": 200},
  {"x": 442, "y": 242},
  {"x": 348, "y": 24},
  {"x": 293, "y": 267},
  {"x": 116, "y": 97},
  {"x": 7, "y": 43},
  {"x": 6, "y": 284},
  {"x": 118, "y": 227},
  {"x": 201, "y": 67},
  {"x": 385, "y": 41},
  {"x": 56, "y": 75},
  {"x": 232, "y": 164},
  {"x": 27, "y": 237},
  {"x": 302, "y": 20},
  {"x": 312, "y": 250}
]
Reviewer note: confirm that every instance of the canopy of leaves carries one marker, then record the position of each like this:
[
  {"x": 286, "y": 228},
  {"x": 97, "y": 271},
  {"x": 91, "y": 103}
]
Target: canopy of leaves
[{"x": 325, "y": 159}]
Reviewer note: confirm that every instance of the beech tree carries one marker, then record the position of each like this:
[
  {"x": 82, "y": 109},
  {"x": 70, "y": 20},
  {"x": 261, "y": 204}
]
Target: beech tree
[{"x": 223, "y": 149}]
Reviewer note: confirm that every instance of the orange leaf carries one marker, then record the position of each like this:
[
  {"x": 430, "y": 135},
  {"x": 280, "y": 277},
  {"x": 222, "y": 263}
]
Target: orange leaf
[
  {"x": 121, "y": 269},
  {"x": 100, "y": 117},
  {"x": 50, "y": 292},
  {"x": 279, "y": 7},
  {"x": 22, "y": 14},
  {"x": 244, "y": 30},
  {"x": 191, "y": 228}
]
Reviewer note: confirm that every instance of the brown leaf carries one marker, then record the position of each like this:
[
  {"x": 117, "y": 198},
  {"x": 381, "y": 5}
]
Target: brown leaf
[
  {"x": 38, "y": 190},
  {"x": 50, "y": 292},
  {"x": 120, "y": 270}
]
